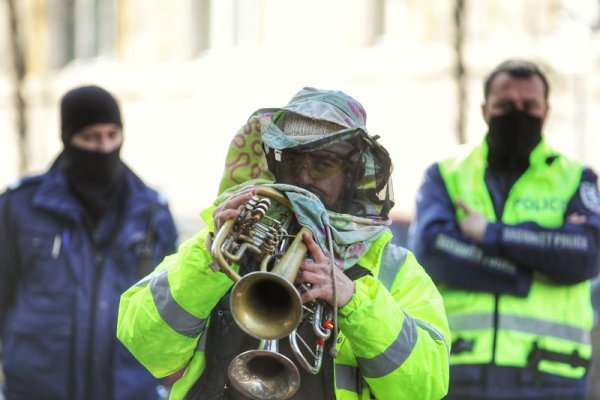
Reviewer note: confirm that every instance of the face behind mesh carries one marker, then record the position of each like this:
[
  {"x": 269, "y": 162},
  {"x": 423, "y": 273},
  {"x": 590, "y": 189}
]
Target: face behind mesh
[{"x": 369, "y": 192}]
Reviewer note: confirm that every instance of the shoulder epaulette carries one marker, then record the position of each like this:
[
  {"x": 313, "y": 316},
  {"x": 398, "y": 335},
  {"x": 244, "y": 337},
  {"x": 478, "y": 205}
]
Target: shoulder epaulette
[
  {"x": 162, "y": 200},
  {"x": 23, "y": 181}
]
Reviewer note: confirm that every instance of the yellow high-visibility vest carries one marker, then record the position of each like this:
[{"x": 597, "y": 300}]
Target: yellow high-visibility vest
[{"x": 504, "y": 329}]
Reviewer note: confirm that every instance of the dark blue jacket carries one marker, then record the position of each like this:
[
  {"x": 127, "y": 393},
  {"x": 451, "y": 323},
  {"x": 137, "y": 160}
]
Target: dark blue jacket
[{"x": 60, "y": 283}]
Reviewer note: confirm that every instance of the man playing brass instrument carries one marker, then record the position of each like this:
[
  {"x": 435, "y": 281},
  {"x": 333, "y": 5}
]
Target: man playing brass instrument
[{"x": 385, "y": 331}]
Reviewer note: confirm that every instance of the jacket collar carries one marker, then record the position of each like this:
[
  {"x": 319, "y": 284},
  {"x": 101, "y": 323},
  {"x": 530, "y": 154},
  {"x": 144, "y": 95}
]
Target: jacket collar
[
  {"x": 372, "y": 258},
  {"x": 54, "y": 194}
]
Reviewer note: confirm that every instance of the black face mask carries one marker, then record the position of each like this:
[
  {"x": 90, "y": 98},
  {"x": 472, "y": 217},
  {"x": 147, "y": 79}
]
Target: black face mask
[
  {"x": 96, "y": 178},
  {"x": 511, "y": 138}
]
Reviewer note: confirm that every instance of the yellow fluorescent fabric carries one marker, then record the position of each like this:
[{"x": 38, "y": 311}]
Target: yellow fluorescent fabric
[
  {"x": 398, "y": 339},
  {"x": 558, "y": 318}
]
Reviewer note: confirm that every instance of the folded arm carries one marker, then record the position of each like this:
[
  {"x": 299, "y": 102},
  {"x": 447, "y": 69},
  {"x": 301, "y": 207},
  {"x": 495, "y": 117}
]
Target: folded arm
[{"x": 452, "y": 257}]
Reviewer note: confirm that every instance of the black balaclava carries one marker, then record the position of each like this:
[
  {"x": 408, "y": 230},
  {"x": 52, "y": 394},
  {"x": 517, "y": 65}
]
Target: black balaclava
[
  {"x": 96, "y": 178},
  {"x": 511, "y": 138}
]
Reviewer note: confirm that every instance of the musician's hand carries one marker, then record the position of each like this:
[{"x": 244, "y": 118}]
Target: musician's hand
[
  {"x": 230, "y": 208},
  {"x": 317, "y": 272}
]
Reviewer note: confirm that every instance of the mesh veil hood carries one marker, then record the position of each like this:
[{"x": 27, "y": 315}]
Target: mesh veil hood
[
  {"x": 247, "y": 155},
  {"x": 321, "y": 105}
]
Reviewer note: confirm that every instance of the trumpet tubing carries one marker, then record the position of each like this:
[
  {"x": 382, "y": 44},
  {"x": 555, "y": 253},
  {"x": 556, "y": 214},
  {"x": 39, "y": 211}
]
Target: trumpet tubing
[{"x": 266, "y": 304}]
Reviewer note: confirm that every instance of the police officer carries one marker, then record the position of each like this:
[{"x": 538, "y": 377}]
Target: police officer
[
  {"x": 71, "y": 240},
  {"x": 509, "y": 230}
]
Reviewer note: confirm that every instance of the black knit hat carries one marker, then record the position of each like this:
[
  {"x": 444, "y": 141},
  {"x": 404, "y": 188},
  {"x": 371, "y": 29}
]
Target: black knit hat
[{"x": 87, "y": 105}]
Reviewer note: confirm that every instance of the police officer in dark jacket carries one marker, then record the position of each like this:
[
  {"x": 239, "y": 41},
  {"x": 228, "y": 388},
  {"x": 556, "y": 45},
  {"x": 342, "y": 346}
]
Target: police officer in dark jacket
[{"x": 71, "y": 241}]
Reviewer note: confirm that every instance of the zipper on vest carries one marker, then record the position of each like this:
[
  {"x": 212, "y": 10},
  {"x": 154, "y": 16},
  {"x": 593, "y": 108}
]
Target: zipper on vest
[
  {"x": 190, "y": 393},
  {"x": 499, "y": 192},
  {"x": 496, "y": 324}
]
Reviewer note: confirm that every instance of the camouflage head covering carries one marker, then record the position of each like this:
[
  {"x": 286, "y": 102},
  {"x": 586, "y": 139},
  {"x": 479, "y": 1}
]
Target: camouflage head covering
[
  {"x": 246, "y": 164},
  {"x": 246, "y": 158}
]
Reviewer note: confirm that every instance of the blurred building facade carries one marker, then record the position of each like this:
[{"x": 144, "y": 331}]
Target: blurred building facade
[{"x": 189, "y": 73}]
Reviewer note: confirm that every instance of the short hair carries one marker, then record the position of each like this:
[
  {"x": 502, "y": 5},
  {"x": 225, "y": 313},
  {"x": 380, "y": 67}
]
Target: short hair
[{"x": 516, "y": 68}]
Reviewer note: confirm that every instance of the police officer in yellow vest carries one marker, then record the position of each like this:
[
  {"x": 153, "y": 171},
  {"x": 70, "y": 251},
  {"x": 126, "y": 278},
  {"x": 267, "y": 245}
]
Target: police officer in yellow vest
[{"x": 509, "y": 230}]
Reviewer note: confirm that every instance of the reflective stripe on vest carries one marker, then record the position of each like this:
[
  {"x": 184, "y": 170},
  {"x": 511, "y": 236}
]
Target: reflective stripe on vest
[
  {"x": 395, "y": 355},
  {"x": 346, "y": 377},
  {"x": 556, "y": 317},
  {"x": 172, "y": 313},
  {"x": 392, "y": 259},
  {"x": 520, "y": 324}
]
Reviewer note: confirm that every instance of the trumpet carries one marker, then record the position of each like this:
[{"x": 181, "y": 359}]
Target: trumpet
[
  {"x": 266, "y": 304},
  {"x": 264, "y": 373}
]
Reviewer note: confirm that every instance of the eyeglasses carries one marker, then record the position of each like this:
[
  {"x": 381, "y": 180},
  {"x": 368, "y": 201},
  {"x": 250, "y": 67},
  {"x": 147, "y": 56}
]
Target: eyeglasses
[{"x": 319, "y": 165}]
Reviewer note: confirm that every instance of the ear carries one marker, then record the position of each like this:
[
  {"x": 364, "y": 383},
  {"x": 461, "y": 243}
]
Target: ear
[
  {"x": 546, "y": 112},
  {"x": 484, "y": 112}
]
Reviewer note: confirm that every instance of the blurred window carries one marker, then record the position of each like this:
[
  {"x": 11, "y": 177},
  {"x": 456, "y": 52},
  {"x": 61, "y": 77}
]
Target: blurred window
[
  {"x": 199, "y": 26},
  {"x": 80, "y": 29}
]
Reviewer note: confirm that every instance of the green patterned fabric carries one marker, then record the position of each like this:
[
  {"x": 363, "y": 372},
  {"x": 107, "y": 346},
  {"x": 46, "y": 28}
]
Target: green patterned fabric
[{"x": 246, "y": 159}]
